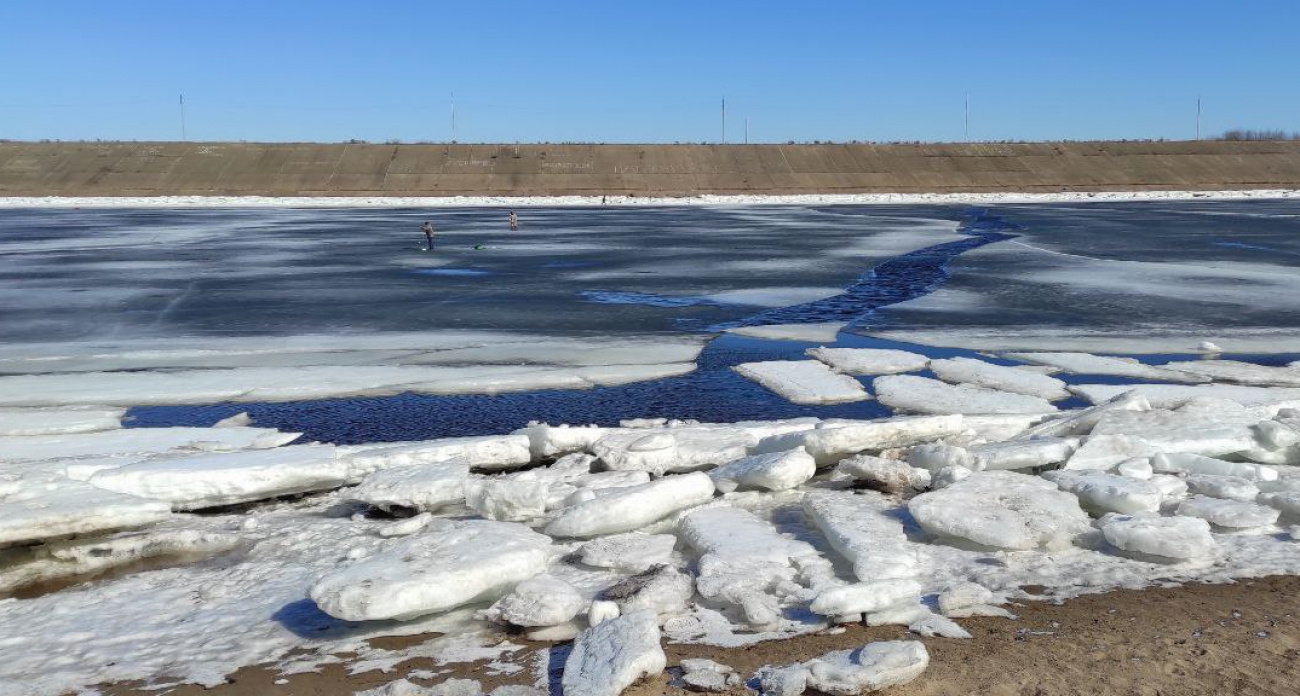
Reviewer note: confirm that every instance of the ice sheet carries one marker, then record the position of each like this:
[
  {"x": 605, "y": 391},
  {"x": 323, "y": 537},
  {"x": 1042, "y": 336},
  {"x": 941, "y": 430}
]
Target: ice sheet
[
  {"x": 58, "y": 421},
  {"x": 804, "y": 381},
  {"x": 924, "y": 395},
  {"x": 811, "y": 333},
  {"x": 311, "y": 382},
  {"x": 870, "y": 361},
  {"x": 981, "y": 374},
  {"x": 208, "y": 480}
]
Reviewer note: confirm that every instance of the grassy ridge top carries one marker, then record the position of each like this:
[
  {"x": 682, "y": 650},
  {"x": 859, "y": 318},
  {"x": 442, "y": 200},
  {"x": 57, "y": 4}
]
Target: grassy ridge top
[{"x": 362, "y": 169}]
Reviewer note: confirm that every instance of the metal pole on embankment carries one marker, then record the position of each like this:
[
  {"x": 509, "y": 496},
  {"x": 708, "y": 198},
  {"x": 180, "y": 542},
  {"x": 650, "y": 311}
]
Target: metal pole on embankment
[
  {"x": 724, "y": 120},
  {"x": 183, "y": 116}
]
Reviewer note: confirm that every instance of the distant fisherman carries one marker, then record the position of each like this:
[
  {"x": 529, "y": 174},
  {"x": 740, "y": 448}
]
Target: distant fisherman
[
  {"x": 514, "y": 221},
  {"x": 428, "y": 235}
]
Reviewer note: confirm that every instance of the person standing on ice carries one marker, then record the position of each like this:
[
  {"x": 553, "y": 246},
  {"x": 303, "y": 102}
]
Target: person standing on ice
[
  {"x": 428, "y": 235},
  {"x": 514, "y": 221}
]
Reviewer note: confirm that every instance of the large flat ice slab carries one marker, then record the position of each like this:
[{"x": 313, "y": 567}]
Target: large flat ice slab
[
  {"x": 870, "y": 361},
  {"x": 58, "y": 421},
  {"x": 633, "y": 507},
  {"x": 209, "y": 480},
  {"x": 804, "y": 381},
  {"x": 873, "y": 667},
  {"x": 441, "y": 569},
  {"x": 1002, "y": 509},
  {"x": 914, "y": 394},
  {"x": 40, "y": 508}
]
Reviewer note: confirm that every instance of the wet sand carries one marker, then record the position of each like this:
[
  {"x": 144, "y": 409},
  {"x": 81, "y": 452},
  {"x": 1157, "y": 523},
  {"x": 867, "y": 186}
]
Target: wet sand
[{"x": 1242, "y": 638}]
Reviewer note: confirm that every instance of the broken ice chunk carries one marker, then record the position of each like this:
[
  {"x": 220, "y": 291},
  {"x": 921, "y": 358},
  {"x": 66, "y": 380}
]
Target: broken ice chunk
[
  {"x": 1179, "y": 538},
  {"x": 546, "y": 441},
  {"x": 1082, "y": 422},
  {"x": 423, "y": 487},
  {"x": 39, "y": 508},
  {"x": 140, "y": 441},
  {"x": 59, "y": 421},
  {"x": 777, "y": 471},
  {"x": 1231, "y": 514},
  {"x": 1007, "y": 379},
  {"x": 1020, "y": 454},
  {"x": 505, "y": 499},
  {"x": 1196, "y": 464},
  {"x": 872, "y": 667},
  {"x": 869, "y": 361},
  {"x": 462, "y": 563},
  {"x": 630, "y": 552},
  {"x": 1227, "y": 487},
  {"x": 1102, "y": 492},
  {"x": 804, "y": 381},
  {"x": 1239, "y": 372},
  {"x": 55, "y": 560},
  {"x": 612, "y": 655},
  {"x": 962, "y": 595},
  {"x": 885, "y": 475},
  {"x": 924, "y": 395},
  {"x": 864, "y": 597},
  {"x": 1088, "y": 364},
  {"x": 1175, "y": 395},
  {"x": 660, "y": 589},
  {"x": 744, "y": 563},
  {"x": 834, "y": 440},
  {"x": 626, "y": 509},
  {"x": 543, "y": 600},
  {"x": 1001, "y": 509},
  {"x": 490, "y": 452},
  {"x": 671, "y": 450},
  {"x": 1102, "y": 452},
  {"x": 861, "y": 528},
  {"x": 209, "y": 480}
]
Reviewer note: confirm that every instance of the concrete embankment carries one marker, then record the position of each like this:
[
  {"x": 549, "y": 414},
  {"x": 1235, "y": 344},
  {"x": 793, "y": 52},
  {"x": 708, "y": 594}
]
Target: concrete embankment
[{"x": 310, "y": 169}]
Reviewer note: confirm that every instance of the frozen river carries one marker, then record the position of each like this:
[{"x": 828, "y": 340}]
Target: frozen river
[{"x": 99, "y": 281}]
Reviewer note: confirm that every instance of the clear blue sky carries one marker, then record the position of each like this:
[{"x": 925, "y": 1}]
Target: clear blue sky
[{"x": 648, "y": 71}]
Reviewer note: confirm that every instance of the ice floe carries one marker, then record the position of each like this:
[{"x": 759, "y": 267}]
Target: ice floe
[
  {"x": 1175, "y": 395},
  {"x": 811, "y": 333},
  {"x": 1088, "y": 364},
  {"x": 873, "y": 667},
  {"x": 804, "y": 381},
  {"x": 870, "y": 361},
  {"x": 1008, "y": 379},
  {"x": 913, "y": 394},
  {"x": 1230, "y": 514}
]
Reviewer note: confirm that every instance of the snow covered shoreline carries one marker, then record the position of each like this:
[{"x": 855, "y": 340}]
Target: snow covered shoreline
[
  {"x": 585, "y": 201},
  {"x": 722, "y": 534}
]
